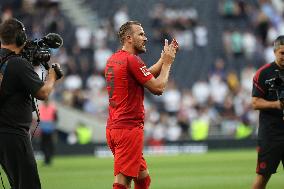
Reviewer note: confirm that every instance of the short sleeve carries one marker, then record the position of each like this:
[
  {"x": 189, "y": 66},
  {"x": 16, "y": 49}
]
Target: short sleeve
[
  {"x": 138, "y": 69},
  {"x": 29, "y": 77},
  {"x": 259, "y": 89}
]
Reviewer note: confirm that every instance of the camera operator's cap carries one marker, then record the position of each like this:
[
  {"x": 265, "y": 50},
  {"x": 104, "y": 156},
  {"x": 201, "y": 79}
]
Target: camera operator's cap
[{"x": 278, "y": 42}]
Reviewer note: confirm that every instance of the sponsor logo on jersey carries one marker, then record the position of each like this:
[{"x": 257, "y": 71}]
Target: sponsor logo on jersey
[{"x": 145, "y": 71}]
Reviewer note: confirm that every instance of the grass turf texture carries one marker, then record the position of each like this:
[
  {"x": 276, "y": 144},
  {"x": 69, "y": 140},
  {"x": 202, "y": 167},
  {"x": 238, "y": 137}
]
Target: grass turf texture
[{"x": 213, "y": 170}]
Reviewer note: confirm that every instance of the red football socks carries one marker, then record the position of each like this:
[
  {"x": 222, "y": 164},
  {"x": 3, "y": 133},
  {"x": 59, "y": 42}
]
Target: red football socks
[
  {"x": 118, "y": 186},
  {"x": 142, "y": 183}
]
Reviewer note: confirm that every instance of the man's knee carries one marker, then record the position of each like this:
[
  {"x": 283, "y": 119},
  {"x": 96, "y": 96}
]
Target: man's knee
[
  {"x": 121, "y": 180},
  {"x": 261, "y": 181},
  {"x": 118, "y": 186},
  {"x": 143, "y": 183}
]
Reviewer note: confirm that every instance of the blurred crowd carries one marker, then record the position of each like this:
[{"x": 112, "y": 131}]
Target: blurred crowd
[{"x": 217, "y": 106}]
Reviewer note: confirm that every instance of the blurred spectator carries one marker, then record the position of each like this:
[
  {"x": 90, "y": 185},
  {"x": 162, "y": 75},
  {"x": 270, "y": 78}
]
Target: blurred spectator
[
  {"x": 157, "y": 20},
  {"x": 185, "y": 39},
  {"x": 83, "y": 37},
  {"x": 158, "y": 131},
  {"x": 83, "y": 134},
  {"x": 120, "y": 17},
  {"x": 172, "y": 99},
  {"x": 243, "y": 130},
  {"x": 73, "y": 82},
  {"x": 173, "y": 131},
  {"x": 200, "y": 125},
  {"x": 85, "y": 70},
  {"x": 249, "y": 44},
  {"x": 183, "y": 122},
  {"x": 229, "y": 8},
  {"x": 218, "y": 88},
  {"x": 101, "y": 34},
  {"x": 48, "y": 119},
  {"x": 237, "y": 43},
  {"x": 262, "y": 25},
  {"x": 268, "y": 54},
  {"x": 200, "y": 32},
  {"x": 246, "y": 77},
  {"x": 102, "y": 53},
  {"x": 180, "y": 23},
  {"x": 201, "y": 91},
  {"x": 6, "y": 14},
  {"x": 233, "y": 81},
  {"x": 218, "y": 68},
  {"x": 95, "y": 82}
]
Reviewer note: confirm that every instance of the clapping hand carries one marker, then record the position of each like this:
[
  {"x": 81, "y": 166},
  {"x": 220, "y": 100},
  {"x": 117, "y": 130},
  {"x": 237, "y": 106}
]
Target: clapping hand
[
  {"x": 169, "y": 51},
  {"x": 175, "y": 44}
]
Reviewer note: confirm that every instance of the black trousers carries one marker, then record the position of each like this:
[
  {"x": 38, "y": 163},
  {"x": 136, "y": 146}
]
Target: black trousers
[
  {"x": 18, "y": 161},
  {"x": 47, "y": 147}
]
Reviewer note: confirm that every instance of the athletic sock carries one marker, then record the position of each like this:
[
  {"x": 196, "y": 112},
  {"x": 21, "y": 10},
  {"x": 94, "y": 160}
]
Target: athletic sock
[
  {"x": 118, "y": 186},
  {"x": 142, "y": 183}
]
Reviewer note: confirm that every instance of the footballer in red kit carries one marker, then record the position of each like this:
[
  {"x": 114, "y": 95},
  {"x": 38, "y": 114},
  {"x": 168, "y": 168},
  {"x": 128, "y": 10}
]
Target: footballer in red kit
[
  {"x": 126, "y": 76},
  {"x": 126, "y": 91}
]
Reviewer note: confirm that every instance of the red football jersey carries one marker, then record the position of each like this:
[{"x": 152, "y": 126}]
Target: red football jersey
[{"x": 125, "y": 75}]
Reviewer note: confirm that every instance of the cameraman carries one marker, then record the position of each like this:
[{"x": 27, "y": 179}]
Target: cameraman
[
  {"x": 271, "y": 124},
  {"x": 19, "y": 84}
]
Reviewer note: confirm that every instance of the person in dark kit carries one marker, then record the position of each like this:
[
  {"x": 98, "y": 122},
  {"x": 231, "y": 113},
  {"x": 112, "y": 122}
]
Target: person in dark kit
[
  {"x": 267, "y": 98},
  {"x": 48, "y": 119},
  {"x": 19, "y": 85}
]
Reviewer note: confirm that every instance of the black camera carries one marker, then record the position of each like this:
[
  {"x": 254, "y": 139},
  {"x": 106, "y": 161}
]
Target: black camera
[
  {"x": 38, "y": 51},
  {"x": 277, "y": 84}
]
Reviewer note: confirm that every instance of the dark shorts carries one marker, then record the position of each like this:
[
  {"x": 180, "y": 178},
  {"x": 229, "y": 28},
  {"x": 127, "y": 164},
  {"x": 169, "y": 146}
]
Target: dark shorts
[
  {"x": 18, "y": 162},
  {"x": 270, "y": 154},
  {"x": 127, "y": 146}
]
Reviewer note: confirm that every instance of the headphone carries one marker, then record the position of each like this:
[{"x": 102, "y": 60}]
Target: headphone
[{"x": 21, "y": 35}]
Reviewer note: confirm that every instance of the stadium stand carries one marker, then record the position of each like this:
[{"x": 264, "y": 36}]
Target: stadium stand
[{"x": 222, "y": 43}]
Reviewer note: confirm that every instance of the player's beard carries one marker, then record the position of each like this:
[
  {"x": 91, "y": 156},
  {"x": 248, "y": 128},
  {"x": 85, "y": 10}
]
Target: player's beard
[{"x": 140, "y": 47}]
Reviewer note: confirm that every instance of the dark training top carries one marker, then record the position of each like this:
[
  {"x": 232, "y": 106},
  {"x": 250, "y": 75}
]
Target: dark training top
[
  {"x": 271, "y": 124},
  {"x": 20, "y": 81}
]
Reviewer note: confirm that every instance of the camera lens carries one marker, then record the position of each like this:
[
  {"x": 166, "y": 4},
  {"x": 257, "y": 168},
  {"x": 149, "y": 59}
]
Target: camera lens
[{"x": 42, "y": 56}]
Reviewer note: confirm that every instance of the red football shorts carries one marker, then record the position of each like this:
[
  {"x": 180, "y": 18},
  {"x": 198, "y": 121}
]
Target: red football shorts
[{"x": 127, "y": 148}]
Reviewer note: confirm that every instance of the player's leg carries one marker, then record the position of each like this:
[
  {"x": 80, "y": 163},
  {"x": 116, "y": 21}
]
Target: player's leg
[
  {"x": 46, "y": 146},
  {"x": 122, "y": 182},
  {"x": 268, "y": 159},
  {"x": 49, "y": 148},
  {"x": 127, "y": 146},
  {"x": 261, "y": 181},
  {"x": 143, "y": 180}
]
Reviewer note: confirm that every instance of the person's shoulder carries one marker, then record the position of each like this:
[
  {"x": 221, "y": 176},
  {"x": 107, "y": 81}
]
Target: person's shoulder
[
  {"x": 117, "y": 58},
  {"x": 263, "y": 70},
  {"x": 135, "y": 58},
  {"x": 19, "y": 60},
  {"x": 265, "y": 67},
  {"x": 120, "y": 57}
]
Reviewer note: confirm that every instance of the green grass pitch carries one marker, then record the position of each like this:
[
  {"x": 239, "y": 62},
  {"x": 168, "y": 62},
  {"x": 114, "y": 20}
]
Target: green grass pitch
[{"x": 213, "y": 170}]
